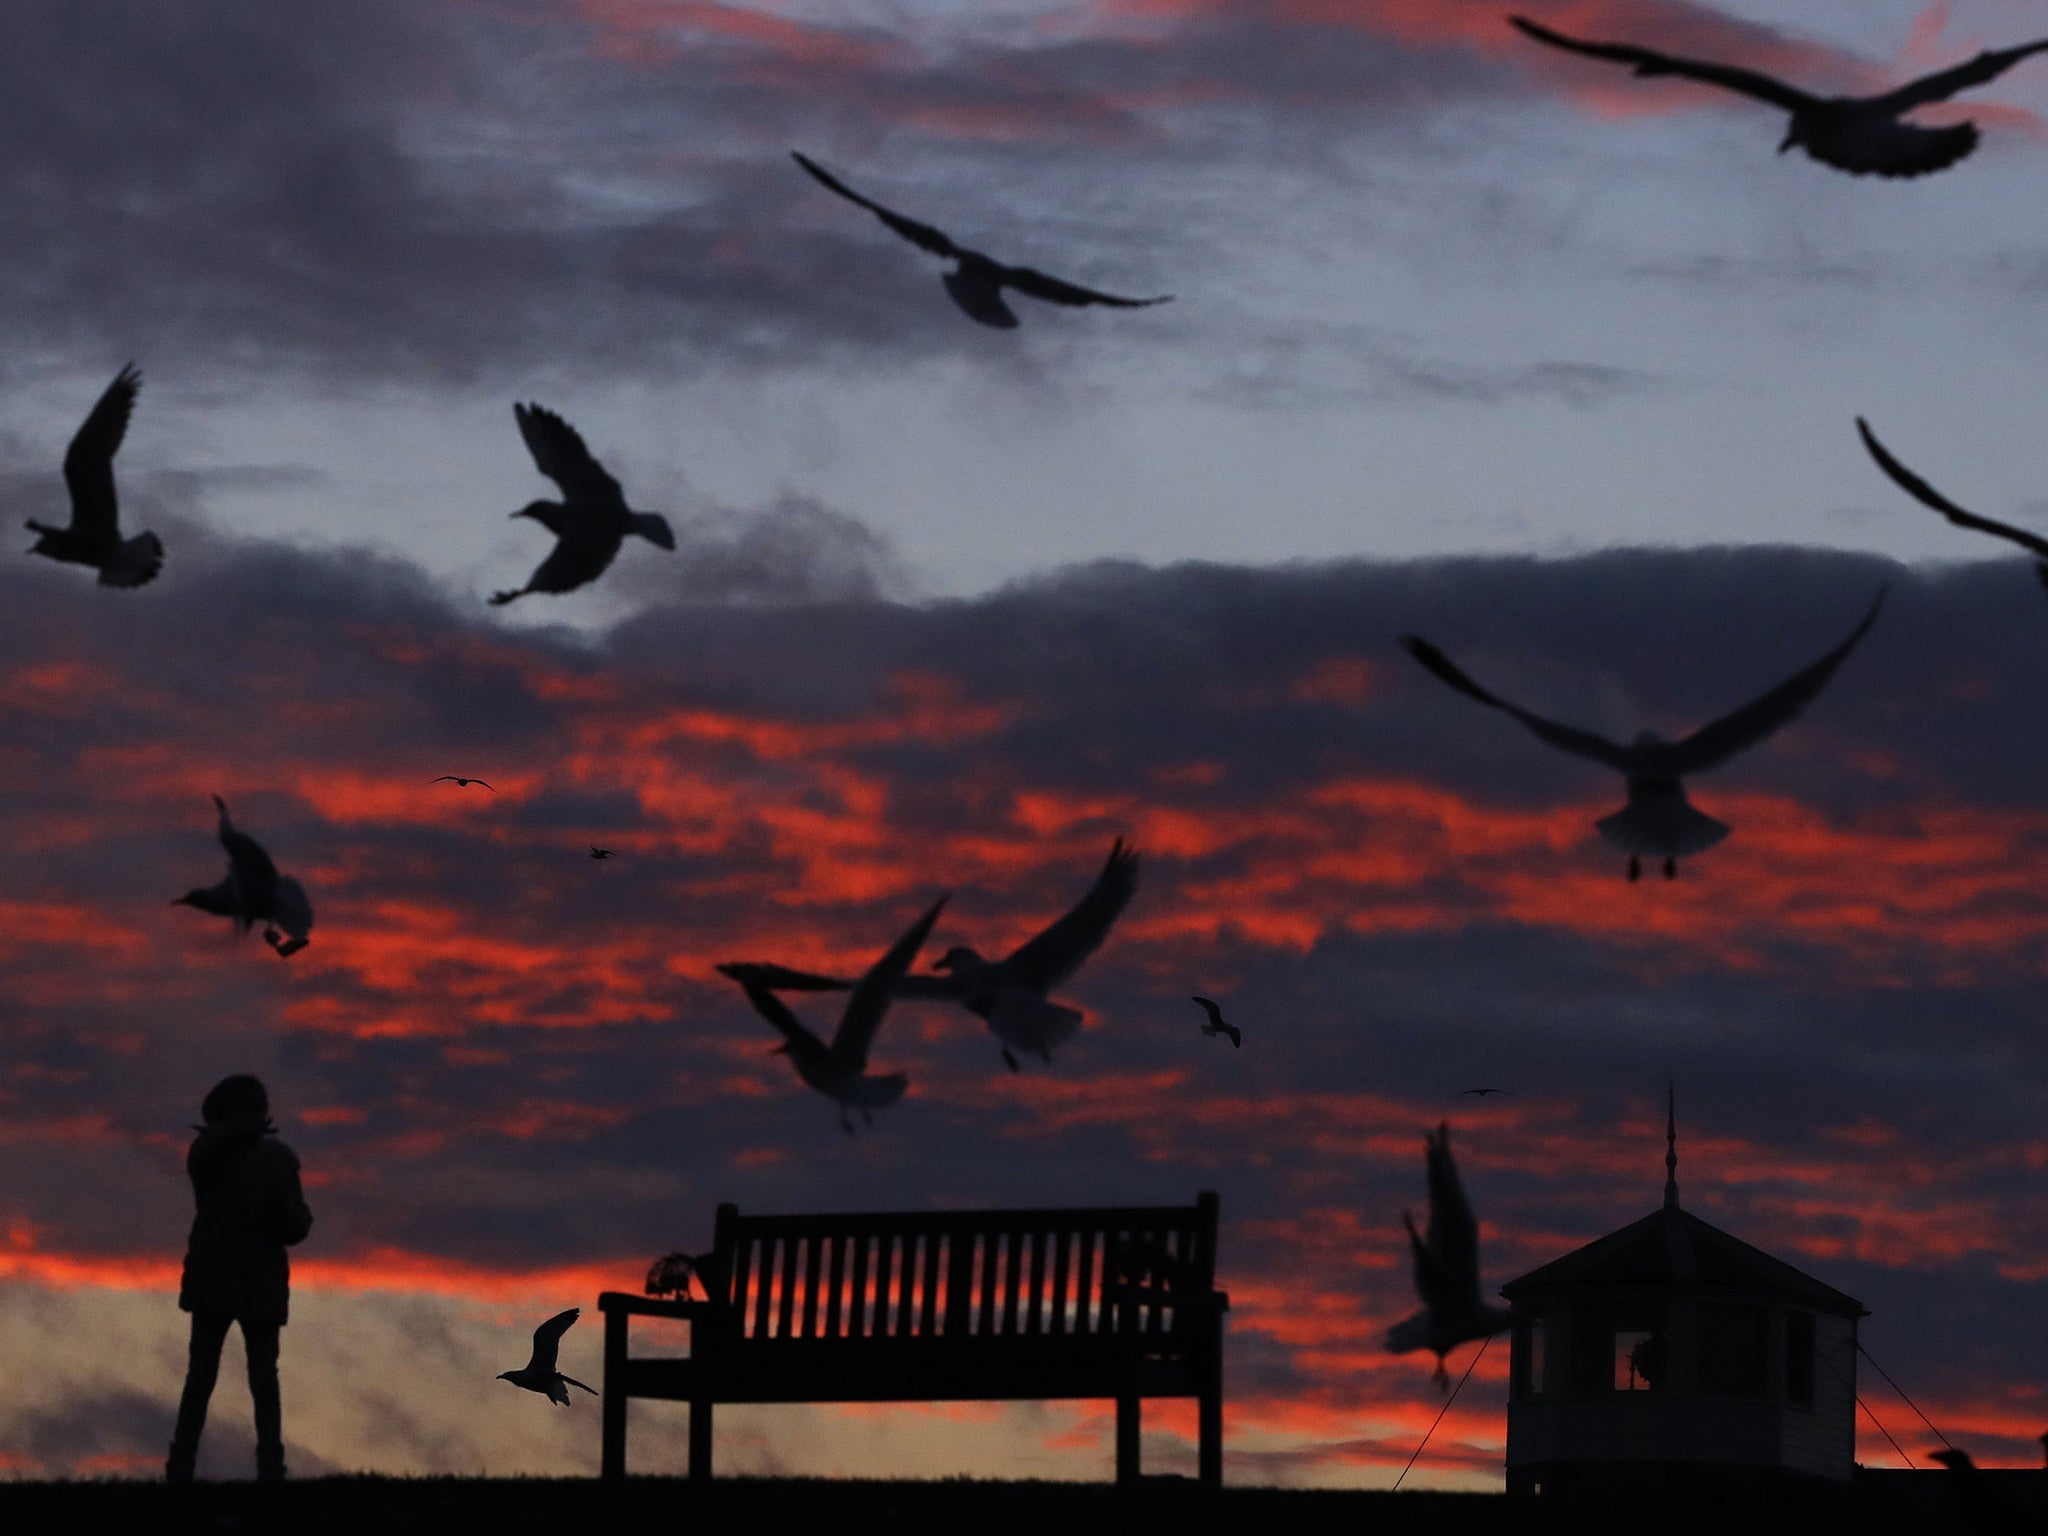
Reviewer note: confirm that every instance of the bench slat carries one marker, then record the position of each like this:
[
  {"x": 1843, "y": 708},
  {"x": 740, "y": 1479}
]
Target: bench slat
[{"x": 927, "y": 1312}]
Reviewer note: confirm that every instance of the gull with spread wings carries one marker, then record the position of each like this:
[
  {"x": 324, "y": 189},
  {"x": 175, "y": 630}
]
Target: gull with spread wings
[
  {"x": 1658, "y": 820},
  {"x": 591, "y": 520},
  {"x": 977, "y": 281},
  {"x": 1446, "y": 1268},
  {"x": 93, "y": 537},
  {"x": 1862, "y": 135},
  {"x": 1922, "y": 492},
  {"x": 254, "y": 892},
  {"x": 840, "y": 1070},
  {"x": 1012, "y": 995},
  {"x": 539, "y": 1373}
]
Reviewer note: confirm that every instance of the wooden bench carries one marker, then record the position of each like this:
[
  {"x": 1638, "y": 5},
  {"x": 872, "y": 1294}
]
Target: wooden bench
[{"x": 938, "y": 1306}]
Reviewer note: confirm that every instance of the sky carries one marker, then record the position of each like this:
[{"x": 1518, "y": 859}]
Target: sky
[{"x": 1468, "y": 339}]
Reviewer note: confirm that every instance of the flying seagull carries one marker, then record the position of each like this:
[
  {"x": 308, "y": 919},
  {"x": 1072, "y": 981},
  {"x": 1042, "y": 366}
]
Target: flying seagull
[
  {"x": 1216, "y": 1026},
  {"x": 1011, "y": 995},
  {"x": 94, "y": 535},
  {"x": 1483, "y": 1092},
  {"x": 1658, "y": 820},
  {"x": 1858, "y": 134},
  {"x": 1446, "y": 1268},
  {"x": 254, "y": 892},
  {"x": 600, "y": 853},
  {"x": 539, "y": 1373},
  {"x": 460, "y": 783},
  {"x": 1921, "y": 491},
  {"x": 840, "y": 1070},
  {"x": 978, "y": 281},
  {"x": 591, "y": 520}
]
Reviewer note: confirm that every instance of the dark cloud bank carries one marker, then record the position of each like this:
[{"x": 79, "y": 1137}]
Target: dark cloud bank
[{"x": 504, "y": 1055}]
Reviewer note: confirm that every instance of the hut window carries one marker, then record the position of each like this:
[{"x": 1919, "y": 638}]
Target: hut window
[
  {"x": 1638, "y": 1360},
  {"x": 1533, "y": 1340},
  {"x": 1799, "y": 1358},
  {"x": 1734, "y": 1351}
]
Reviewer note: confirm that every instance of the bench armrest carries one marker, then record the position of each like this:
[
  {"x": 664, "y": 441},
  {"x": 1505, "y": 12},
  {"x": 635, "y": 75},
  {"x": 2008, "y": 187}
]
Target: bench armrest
[{"x": 656, "y": 1306}]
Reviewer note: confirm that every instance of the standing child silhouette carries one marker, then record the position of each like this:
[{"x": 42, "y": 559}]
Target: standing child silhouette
[{"x": 245, "y": 1183}]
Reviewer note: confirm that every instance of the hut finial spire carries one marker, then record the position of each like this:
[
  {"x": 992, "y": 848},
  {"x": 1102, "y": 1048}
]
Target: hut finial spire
[{"x": 1670, "y": 1146}]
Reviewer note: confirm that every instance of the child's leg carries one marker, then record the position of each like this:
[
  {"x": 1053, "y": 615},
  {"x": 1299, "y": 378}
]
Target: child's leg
[
  {"x": 259, "y": 1342},
  {"x": 209, "y": 1332}
]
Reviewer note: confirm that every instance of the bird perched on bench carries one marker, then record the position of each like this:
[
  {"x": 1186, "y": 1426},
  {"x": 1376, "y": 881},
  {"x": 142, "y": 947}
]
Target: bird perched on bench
[
  {"x": 591, "y": 520},
  {"x": 1216, "y": 1026},
  {"x": 840, "y": 1070},
  {"x": 254, "y": 892},
  {"x": 1012, "y": 994},
  {"x": 539, "y": 1373},
  {"x": 1446, "y": 1268},
  {"x": 93, "y": 536},
  {"x": 1858, "y": 134},
  {"x": 977, "y": 282},
  {"x": 1658, "y": 819}
]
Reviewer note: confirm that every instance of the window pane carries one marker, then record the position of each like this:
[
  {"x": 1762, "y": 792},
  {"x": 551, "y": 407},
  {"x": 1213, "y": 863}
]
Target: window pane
[
  {"x": 1734, "y": 1346},
  {"x": 1799, "y": 1358}
]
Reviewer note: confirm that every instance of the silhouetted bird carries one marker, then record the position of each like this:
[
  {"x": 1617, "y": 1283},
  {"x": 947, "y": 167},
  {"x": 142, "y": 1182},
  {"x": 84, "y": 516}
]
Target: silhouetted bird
[
  {"x": 1921, "y": 491},
  {"x": 600, "y": 853},
  {"x": 1446, "y": 1268},
  {"x": 254, "y": 892},
  {"x": 1011, "y": 995},
  {"x": 1658, "y": 820},
  {"x": 539, "y": 1373},
  {"x": 671, "y": 1274},
  {"x": 1981, "y": 1508},
  {"x": 1858, "y": 134},
  {"x": 1216, "y": 1026},
  {"x": 1483, "y": 1092},
  {"x": 977, "y": 282},
  {"x": 94, "y": 535},
  {"x": 449, "y": 778},
  {"x": 592, "y": 519},
  {"x": 840, "y": 1070}
]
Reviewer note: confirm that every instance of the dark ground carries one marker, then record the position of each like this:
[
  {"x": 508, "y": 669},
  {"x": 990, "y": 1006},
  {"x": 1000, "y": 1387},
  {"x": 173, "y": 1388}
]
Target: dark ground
[{"x": 750, "y": 1507}]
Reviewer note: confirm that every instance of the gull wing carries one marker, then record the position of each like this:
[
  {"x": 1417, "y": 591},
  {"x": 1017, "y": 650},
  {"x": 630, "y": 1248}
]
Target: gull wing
[
  {"x": 1650, "y": 63},
  {"x": 247, "y": 862},
  {"x": 1453, "y": 1230},
  {"x": 926, "y": 236},
  {"x": 89, "y": 461},
  {"x": 782, "y": 978},
  {"x": 1215, "y": 1013},
  {"x": 1046, "y": 961},
  {"x": 1434, "y": 1284},
  {"x": 547, "y": 1340},
  {"x": 1712, "y": 745},
  {"x": 1922, "y": 492},
  {"x": 1567, "y": 738},
  {"x": 871, "y": 994},
  {"x": 560, "y": 453},
  {"x": 1055, "y": 290},
  {"x": 1942, "y": 84},
  {"x": 776, "y": 1012},
  {"x": 578, "y": 558}
]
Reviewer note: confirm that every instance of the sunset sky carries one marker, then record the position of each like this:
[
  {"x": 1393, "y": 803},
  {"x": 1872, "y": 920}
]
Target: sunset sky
[{"x": 1470, "y": 339}]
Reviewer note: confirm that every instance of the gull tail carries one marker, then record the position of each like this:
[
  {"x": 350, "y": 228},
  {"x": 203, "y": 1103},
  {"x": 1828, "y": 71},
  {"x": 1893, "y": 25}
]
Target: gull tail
[
  {"x": 653, "y": 527},
  {"x": 1032, "y": 1023},
  {"x": 135, "y": 562},
  {"x": 1662, "y": 829}
]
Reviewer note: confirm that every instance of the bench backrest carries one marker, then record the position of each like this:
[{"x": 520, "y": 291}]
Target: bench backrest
[{"x": 961, "y": 1275}]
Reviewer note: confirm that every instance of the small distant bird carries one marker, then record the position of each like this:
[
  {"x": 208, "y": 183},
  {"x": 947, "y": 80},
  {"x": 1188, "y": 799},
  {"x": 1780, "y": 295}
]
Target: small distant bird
[
  {"x": 449, "y": 778},
  {"x": 978, "y": 281},
  {"x": 254, "y": 892},
  {"x": 591, "y": 520},
  {"x": 94, "y": 534},
  {"x": 1446, "y": 1268},
  {"x": 1011, "y": 995},
  {"x": 1921, "y": 491},
  {"x": 539, "y": 1373},
  {"x": 600, "y": 853},
  {"x": 840, "y": 1070},
  {"x": 1483, "y": 1092},
  {"x": 1216, "y": 1026},
  {"x": 1858, "y": 134},
  {"x": 1658, "y": 820}
]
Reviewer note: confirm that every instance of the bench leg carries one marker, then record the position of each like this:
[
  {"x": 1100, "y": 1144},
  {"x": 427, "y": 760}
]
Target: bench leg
[
  {"x": 1127, "y": 1409},
  {"x": 612, "y": 1458},
  {"x": 1210, "y": 1452},
  {"x": 700, "y": 1442}
]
